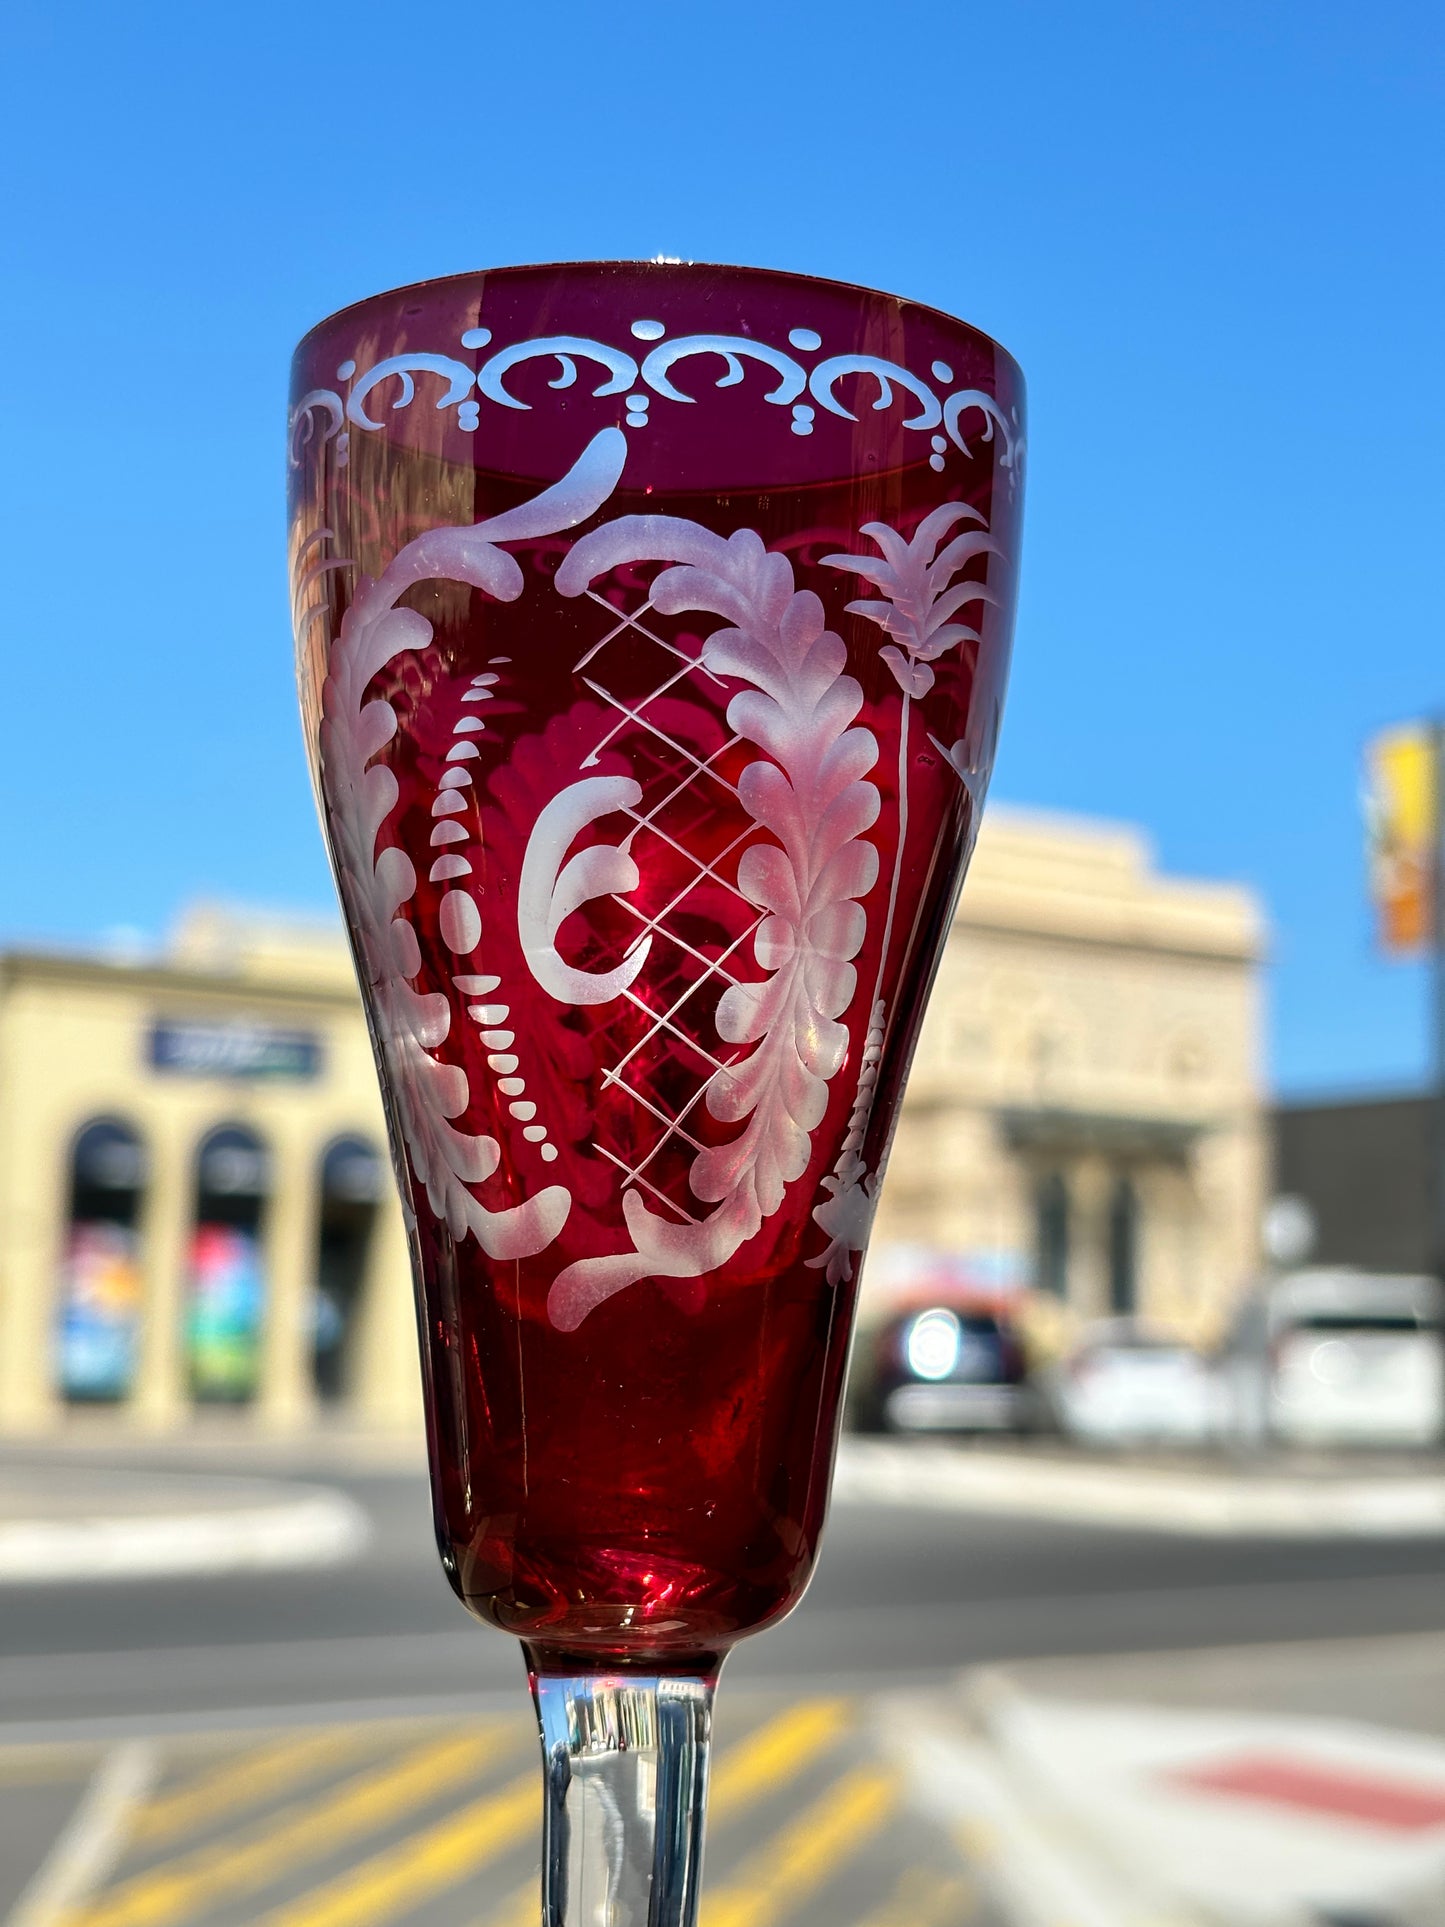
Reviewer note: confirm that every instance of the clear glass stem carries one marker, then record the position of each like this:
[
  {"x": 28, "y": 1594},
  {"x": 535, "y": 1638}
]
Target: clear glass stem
[{"x": 625, "y": 1762}]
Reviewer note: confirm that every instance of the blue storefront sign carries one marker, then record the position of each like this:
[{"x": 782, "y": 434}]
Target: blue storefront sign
[{"x": 210, "y": 1048}]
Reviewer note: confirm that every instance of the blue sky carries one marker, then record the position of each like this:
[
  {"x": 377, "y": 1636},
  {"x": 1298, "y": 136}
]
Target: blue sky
[{"x": 1211, "y": 235}]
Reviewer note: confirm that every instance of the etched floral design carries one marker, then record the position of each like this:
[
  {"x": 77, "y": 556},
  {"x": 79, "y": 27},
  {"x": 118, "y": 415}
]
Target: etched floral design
[
  {"x": 919, "y": 597},
  {"x": 781, "y": 1038},
  {"x": 360, "y": 795},
  {"x": 809, "y": 792},
  {"x": 916, "y": 611}
]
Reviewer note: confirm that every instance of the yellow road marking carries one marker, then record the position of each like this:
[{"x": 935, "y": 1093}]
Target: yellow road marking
[
  {"x": 399, "y": 1880},
  {"x": 243, "y": 1864},
  {"x": 773, "y": 1755},
  {"x": 925, "y": 1899},
  {"x": 805, "y": 1853},
  {"x": 264, "y": 1773}
]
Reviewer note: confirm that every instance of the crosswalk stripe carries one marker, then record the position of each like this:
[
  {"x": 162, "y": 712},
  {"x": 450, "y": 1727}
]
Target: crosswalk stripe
[
  {"x": 264, "y": 1773},
  {"x": 179, "y": 1888},
  {"x": 768, "y": 1758},
  {"x": 399, "y": 1880},
  {"x": 801, "y": 1856},
  {"x": 93, "y": 1839},
  {"x": 925, "y": 1899}
]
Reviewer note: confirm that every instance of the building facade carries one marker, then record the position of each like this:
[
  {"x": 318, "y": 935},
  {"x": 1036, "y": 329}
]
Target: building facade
[
  {"x": 195, "y": 1207},
  {"x": 1085, "y": 1110}
]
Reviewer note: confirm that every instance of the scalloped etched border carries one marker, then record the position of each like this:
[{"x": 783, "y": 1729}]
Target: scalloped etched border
[{"x": 939, "y": 412}]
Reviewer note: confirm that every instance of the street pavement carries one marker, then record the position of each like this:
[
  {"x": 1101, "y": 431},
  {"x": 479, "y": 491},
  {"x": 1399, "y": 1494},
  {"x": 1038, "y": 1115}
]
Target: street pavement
[
  {"x": 902, "y": 1593},
  {"x": 436, "y": 1822},
  {"x": 337, "y": 1742}
]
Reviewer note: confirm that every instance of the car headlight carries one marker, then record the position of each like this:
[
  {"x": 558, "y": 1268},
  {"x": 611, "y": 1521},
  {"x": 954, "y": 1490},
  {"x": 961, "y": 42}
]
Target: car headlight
[{"x": 933, "y": 1344}]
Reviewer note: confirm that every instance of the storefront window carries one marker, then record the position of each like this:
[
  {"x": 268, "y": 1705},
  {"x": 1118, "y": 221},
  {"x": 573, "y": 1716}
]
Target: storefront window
[
  {"x": 1051, "y": 1234},
  {"x": 1124, "y": 1249},
  {"x": 100, "y": 1285},
  {"x": 352, "y": 1177},
  {"x": 227, "y": 1298}
]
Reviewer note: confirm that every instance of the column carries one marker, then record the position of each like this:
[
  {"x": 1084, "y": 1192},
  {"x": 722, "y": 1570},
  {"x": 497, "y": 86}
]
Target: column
[
  {"x": 386, "y": 1387},
  {"x": 29, "y": 1273},
  {"x": 287, "y": 1398},
  {"x": 388, "y": 1378},
  {"x": 1091, "y": 1186},
  {"x": 1165, "y": 1205},
  {"x": 161, "y": 1399}
]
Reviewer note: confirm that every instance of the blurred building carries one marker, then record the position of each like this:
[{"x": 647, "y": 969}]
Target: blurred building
[
  {"x": 1362, "y": 1167},
  {"x": 194, "y": 1201},
  {"x": 1085, "y": 1112},
  {"x": 195, "y": 1209}
]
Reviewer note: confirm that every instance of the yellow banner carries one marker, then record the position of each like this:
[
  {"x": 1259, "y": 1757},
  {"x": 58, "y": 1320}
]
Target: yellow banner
[{"x": 1401, "y": 819}]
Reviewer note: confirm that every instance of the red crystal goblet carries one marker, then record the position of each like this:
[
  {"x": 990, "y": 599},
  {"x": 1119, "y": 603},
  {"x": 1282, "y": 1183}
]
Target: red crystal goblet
[{"x": 652, "y": 623}]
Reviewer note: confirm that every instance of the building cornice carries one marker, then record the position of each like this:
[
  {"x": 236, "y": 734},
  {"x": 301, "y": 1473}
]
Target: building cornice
[
  {"x": 161, "y": 980},
  {"x": 1160, "y": 930},
  {"x": 1118, "y": 1134}
]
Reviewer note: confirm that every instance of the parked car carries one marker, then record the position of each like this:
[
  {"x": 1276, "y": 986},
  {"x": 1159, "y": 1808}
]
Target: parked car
[
  {"x": 1338, "y": 1357},
  {"x": 1126, "y": 1382},
  {"x": 943, "y": 1367}
]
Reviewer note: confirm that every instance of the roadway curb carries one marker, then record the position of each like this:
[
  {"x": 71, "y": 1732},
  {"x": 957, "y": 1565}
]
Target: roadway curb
[
  {"x": 308, "y": 1529},
  {"x": 1145, "y": 1498}
]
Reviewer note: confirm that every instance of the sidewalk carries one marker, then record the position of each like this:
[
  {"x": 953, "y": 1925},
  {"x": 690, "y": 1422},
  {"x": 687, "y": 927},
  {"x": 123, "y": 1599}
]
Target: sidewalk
[
  {"x": 1314, "y": 1496},
  {"x": 226, "y": 1440},
  {"x": 1263, "y": 1787},
  {"x": 61, "y": 1521},
  {"x": 1309, "y": 1498}
]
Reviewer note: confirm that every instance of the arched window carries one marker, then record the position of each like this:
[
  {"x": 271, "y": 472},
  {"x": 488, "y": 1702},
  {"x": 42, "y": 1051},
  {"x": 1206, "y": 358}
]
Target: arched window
[
  {"x": 352, "y": 1182},
  {"x": 1124, "y": 1249},
  {"x": 98, "y": 1334},
  {"x": 1051, "y": 1234},
  {"x": 227, "y": 1296}
]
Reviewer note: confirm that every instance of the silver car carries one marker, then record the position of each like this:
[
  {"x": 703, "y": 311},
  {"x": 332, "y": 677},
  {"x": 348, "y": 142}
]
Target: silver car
[
  {"x": 1338, "y": 1357},
  {"x": 1126, "y": 1382}
]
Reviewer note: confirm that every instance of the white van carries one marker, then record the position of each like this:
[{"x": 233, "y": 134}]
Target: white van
[{"x": 1338, "y": 1358}]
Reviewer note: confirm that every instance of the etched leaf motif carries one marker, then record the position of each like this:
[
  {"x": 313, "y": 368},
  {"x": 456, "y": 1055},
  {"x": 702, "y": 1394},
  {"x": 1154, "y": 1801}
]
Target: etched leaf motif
[
  {"x": 918, "y": 604},
  {"x": 809, "y": 792}
]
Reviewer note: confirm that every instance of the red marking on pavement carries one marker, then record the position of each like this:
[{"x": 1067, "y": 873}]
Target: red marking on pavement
[{"x": 1371, "y": 1798}]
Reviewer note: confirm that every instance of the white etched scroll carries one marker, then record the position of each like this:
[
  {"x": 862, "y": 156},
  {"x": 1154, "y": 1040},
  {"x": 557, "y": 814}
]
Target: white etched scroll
[{"x": 361, "y": 794}]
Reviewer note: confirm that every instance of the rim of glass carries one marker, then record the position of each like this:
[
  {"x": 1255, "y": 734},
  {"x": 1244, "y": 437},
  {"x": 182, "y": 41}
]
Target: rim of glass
[{"x": 663, "y": 267}]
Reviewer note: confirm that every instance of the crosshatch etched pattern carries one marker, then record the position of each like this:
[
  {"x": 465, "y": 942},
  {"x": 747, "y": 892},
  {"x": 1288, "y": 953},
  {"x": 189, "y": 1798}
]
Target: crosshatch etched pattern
[{"x": 689, "y": 832}]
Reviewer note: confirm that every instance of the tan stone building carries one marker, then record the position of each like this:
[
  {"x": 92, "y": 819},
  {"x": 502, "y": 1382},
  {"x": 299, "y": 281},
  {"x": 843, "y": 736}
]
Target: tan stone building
[
  {"x": 1085, "y": 1109},
  {"x": 194, "y": 1200},
  {"x": 195, "y": 1206}
]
